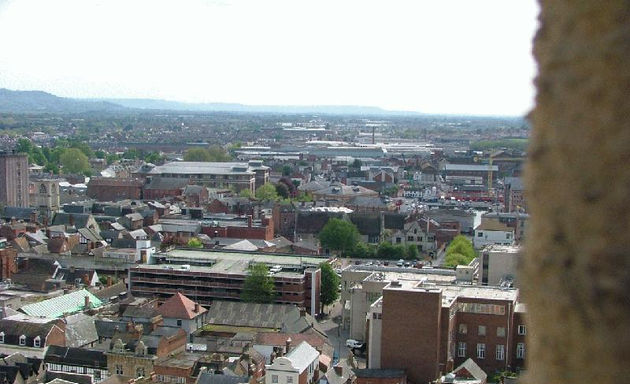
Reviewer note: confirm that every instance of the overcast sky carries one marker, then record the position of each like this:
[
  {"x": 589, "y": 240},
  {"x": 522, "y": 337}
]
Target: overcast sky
[{"x": 441, "y": 56}]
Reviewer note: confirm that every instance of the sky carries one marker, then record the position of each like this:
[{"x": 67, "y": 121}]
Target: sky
[{"x": 440, "y": 56}]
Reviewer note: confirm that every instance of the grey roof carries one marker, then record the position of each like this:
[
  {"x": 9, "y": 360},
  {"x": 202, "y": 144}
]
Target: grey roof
[
  {"x": 302, "y": 356},
  {"x": 193, "y": 167},
  {"x": 470, "y": 167},
  {"x": 251, "y": 314},
  {"x": 307, "y": 245},
  {"x": 167, "y": 183},
  {"x": 134, "y": 217},
  {"x": 89, "y": 234},
  {"x": 80, "y": 219},
  {"x": 106, "y": 293},
  {"x": 19, "y": 213},
  {"x": 346, "y": 373},
  {"x": 515, "y": 183},
  {"x": 210, "y": 378},
  {"x": 80, "y": 330}
]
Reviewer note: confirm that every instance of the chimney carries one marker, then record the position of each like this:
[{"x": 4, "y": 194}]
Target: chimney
[
  {"x": 197, "y": 308},
  {"x": 109, "y": 281},
  {"x": 71, "y": 220},
  {"x": 339, "y": 370},
  {"x": 249, "y": 221},
  {"x": 13, "y": 221},
  {"x": 34, "y": 216},
  {"x": 46, "y": 221},
  {"x": 216, "y": 233},
  {"x": 450, "y": 365},
  {"x": 129, "y": 326},
  {"x": 288, "y": 346},
  {"x": 302, "y": 311},
  {"x": 72, "y": 268},
  {"x": 272, "y": 357},
  {"x": 87, "y": 301}
]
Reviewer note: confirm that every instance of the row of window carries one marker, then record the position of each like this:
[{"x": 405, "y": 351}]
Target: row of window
[
  {"x": 37, "y": 342},
  {"x": 120, "y": 370},
  {"x": 481, "y": 330},
  {"x": 499, "y": 353},
  {"x": 170, "y": 379},
  {"x": 97, "y": 374},
  {"x": 274, "y": 379}
]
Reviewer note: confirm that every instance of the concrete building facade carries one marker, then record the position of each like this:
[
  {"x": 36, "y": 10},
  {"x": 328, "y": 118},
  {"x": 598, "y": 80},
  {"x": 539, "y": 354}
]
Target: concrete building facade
[{"x": 14, "y": 179}]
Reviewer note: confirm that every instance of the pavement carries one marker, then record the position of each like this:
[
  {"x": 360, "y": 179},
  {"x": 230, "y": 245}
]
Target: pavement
[{"x": 336, "y": 335}]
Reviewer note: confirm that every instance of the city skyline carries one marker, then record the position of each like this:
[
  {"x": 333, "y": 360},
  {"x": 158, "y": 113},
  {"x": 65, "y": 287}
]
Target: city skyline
[{"x": 446, "y": 58}]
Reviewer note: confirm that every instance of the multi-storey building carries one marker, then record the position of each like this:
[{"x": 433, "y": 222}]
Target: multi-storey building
[
  {"x": 207, "y": 276},
  {"x": 427, "y": 329},
  {"x": 14, "y": 179},
  {"x": 513, "y": 194},
  {"x": 239, "y": 176},
  {"x": 499, "y": 265}
]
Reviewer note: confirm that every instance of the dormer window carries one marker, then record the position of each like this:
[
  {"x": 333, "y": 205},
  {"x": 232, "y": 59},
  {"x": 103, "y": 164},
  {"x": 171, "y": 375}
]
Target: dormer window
[
  {"x": 22, "y": 340},
  {"x": 37, "y": 342}
]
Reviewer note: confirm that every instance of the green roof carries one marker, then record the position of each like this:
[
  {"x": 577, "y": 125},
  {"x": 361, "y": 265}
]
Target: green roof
[{"x": 58, "y": 306}]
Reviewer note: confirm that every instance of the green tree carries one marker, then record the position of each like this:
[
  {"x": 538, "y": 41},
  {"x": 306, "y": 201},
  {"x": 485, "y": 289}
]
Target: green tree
[
  {"x": 197, "y": 154},
  {"x": 245, "y": 193},
  {"x": 412, "y": 252},
  {"x": 154, "y": 158},
  {"x": 339, "y": 235},
  {"x": 24, "y": 146},
  {"x": 364, "y": 251},
  {"x": 267, "y": 193},
  {"x": 100, "y": 154},
  {"x": 74, "y": 161},
  {"x": 330, "y": 284},
  {"x": 258, "y": 286},
  {"x": 218, "y": 154},
  {"x": 282, "y": 190},
  {"x": 357, "y": 163},
  {"x": 286, "y": 170},
  {"x": 195, "y": 243},
  {"x": 459, "y": 252}
]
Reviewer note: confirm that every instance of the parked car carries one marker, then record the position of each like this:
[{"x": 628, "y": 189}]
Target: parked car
[
  {"x": 400, "y": 263},
  {"x": 351, "y": 343},
  {"x": 386, "y": 263}
]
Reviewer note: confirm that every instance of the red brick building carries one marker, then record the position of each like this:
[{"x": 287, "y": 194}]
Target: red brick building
[
  {"x": 114, "y": 188},
  {"x": 8, "y": 260},
  {"x": 380, "y": 376},
  {"x": 428, "y": 329},
  {"x": 239, "y": 230}
]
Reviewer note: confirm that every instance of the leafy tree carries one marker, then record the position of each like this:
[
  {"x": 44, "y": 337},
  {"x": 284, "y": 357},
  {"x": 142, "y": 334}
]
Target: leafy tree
[
  {"x": 293, "y": 191},
  {"x": 24, "y": 146},
  {"x": 258, "y": 286},
  {"x": 459, "y": 252},
  {"x": 391, "y": 252},
  {"x": 154, "y": 158},
  {"x": 330, "y": 284},
  {"x": 100, "y": 154},
  {"x": 339, "y": 235},
  {"x": 132, "y": 154},
  {"x": 245, "y": 193},
  {"x": 74, "y": 161},
  {"x": 282, "y": 190},
  {"x": 267, "y": 193},
  {"x": 357, "y": 163},
  {"x": 195, "y": 243},
  {"x": 286, "y": 170},
  {"x": 412, "y": 252},
  {"x": 83, "y": 147},
  {"x": 364, "y": 251},
  {"x": 197, "y": 154},
  {"x": 218, "y": 154}
]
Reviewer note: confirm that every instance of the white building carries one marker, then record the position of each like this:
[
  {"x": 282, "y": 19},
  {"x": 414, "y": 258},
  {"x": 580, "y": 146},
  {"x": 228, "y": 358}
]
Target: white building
[
  {"x": 299, "y": 366},
  {"x": 492, "y": 232},
  {"x": 499, "y": 265}
]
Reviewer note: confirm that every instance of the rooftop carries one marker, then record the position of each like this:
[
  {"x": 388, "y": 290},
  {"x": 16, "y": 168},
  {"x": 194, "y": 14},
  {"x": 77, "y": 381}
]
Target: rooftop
[
  {"x": 192, "y": 167},
  {"x": 58, "y": 306},
  {"x": 452, "y": 292}
]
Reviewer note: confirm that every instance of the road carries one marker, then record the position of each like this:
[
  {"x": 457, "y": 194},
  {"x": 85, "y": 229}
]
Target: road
[{"x": 336, "y": 335}]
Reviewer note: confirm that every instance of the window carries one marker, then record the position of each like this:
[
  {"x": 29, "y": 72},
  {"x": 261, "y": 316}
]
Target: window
[
  {"x": 500, "y": 331},
  {"x": 500, "y": 352},
  {"x": 508, "y": 236},
  {"x": 1, "y": 337},
  {"x": 520, "y": 350},
  {"x": 179, "y": 323},
  {"x": 463, "y": 329},
  {"x": 461, "y": 349},
  {"x": 409, "y": 238},
  {"x": 289, "y": 379},
  {"x": 139, "y": 372},
  {"x": 481, "y": 351},
  {"x": 398, "y": 240},
  {"x": 274, "y": 379},
  {"x": 521, "y": 330},
  {"x": 479, "y": 234},
  {"x": 376, "y": 315},
  {"x": 37, "y": 342},
  {"x": 97, "y": 374},
  {"x": 119, "y": 369},
  {"x": 482, "y": 330},
  {"x": 415, "y": 231},
  {"x": 22, "y": 340}
]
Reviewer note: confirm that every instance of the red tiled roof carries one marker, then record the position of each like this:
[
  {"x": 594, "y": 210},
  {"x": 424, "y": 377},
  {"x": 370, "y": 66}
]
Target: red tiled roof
[{"x": 180, "y": 307}]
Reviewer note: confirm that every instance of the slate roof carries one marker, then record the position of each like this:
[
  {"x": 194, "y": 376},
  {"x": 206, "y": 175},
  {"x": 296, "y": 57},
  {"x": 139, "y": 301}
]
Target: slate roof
[
  {"x": 80, "y": 330},
  {"x": 394, "y": 220},
  {"x": 302, "y": 356},
  {"x": 19, "y": 213},
  {"x": 80, "y": 219},
  {"x": 251, "y": 314},
  {"x": 134, "y": 311},
  {"x": 210, "y": 378},
  {"x": 346, "y": 373},
  {"x": 106, "y": 293},
  {"x": 28, "y": 329},
  {"x": 70, "y": 276},
  {"x": 368, "y": 224},
  {"x": 76, "y": 356},
  {"x": 56, "y": 307},
  {"x": 314, "y": 222},
  {"x": 179, "y": 306},
  {"x": 89, "y": 234}
]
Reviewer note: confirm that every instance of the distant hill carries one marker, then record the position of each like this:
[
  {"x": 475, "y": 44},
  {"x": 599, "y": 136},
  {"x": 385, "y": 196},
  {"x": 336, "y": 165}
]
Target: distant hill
[
  {"x": 42, "y": 102},
  {"x": 232, "y": 107}
]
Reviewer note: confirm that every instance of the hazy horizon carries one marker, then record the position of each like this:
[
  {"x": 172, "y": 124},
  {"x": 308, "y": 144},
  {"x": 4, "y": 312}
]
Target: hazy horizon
[{"x": 435, "y": 57}]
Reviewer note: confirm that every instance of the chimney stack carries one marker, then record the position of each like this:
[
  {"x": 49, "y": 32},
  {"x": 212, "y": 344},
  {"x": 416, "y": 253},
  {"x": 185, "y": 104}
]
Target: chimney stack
[
  {"x": 34, "y": 217},
  {"x": 339, "y": 370},
  {"x": 302, "y": 311},
  {"x": 87, "y": 302},
  {"x": 197, "y": 308},
  {"x": 71, "y": 220},
  {"x": 288, "y": 346},
  {"x": 72, "y": 269},
  {"x": 109, "y": 281},
  {"x": 249, "y": 221}
]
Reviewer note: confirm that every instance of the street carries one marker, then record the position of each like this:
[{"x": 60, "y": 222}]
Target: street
[{"x": 337, "y": 336}]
